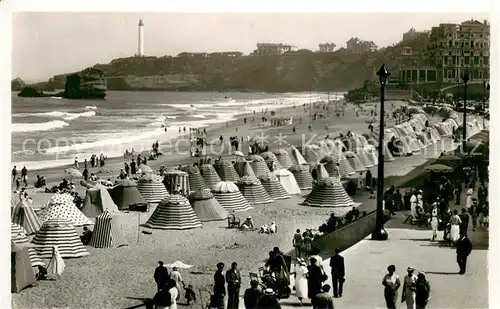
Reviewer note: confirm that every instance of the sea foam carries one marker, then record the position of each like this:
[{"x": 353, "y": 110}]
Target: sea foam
[{"x": 43, "y": 126}]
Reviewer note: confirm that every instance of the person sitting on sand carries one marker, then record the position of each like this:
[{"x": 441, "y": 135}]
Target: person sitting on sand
[
  {"x": 86, "y": 235},
  {"x": 247, "y": 224},
  {"x": 272, "y": 228},
  {"x": 264, "y": 229},
  {"x": 42, "y": 273}
]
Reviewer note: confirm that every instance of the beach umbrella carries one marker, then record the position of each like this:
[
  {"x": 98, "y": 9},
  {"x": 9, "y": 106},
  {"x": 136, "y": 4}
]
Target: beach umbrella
[
  {"x": 73, "y": 172},
  {"x": 438, "y": 168},
  {"x": 179, "y": 265},
  {"x": 146, "y": 169},
  {"x": 238, "y": 153}
]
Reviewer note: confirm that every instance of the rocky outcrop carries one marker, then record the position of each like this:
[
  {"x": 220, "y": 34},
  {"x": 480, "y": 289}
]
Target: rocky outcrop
[
  {"x": 17, "y": 84},
  {"x": 87, "y": 84}
]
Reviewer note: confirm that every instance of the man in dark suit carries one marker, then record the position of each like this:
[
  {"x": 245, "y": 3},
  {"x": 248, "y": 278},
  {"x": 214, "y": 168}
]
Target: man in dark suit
[
  {"x": 314, "y": 280},
  {"x": 161, "y": 276},
  {"x": 464, "y": 248},
  {"x": 219, "y": 286},
  {"x": 338, "y": 273},
  {"x": 464, "y": 217},
  {"x": 233, "y": 280},
  {"x": 324, "y": 300}
]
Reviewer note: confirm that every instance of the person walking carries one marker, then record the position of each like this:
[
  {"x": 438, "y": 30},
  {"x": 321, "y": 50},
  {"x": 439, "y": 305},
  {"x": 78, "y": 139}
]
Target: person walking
[
  {"x": 14, "y": 174},
  {"x": 315, "y": 280},
  {"x": 474, "y": 211},
  {"x": 161, "y": 276},
  {"x": 133, "y": 167},
  {"x": 24, "y": 176},
  {"x": 338, "y": 273},
  {"x": 176, "y": 276},
  {"x": 233, "y": 280},
  {"x": 391, "y": 285},
  {"x": 434, "y": 220},
  {"x": 464, "y": 224},
  {"x": 409, "y": 289},
  {"x": 301, "y": 274},
  {"x": 422, "y": 290},
  {"x": 455, "y": 226},
  {"x": 219, "y": 287},
  {"x": 298, "y": 242},
  {"x": 464, "y": 248}
]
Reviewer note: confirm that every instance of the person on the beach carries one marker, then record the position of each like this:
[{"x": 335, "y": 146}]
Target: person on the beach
[
  {"x": 233, "y": 280},
  {"x": 422, "y": 291},
  {"x": 24, "y": 176},
  {"x": 324, "y": 300},
  {"x": 127, "y": 168},
  {"x": 175, "y": 275},
  {"x": 219, "y": 287},
  {"x": 434, "y": 220},
  {"x": 315, "y": 280},
  {"x": 247, "y": 224},
  {"x": 252, "y": 295},
  {"x": 473, "y": 211},
  {"x": 301, "y": 279},
  {"x": 408, "y": 294},
  {"x": 391, "y": 285},
  {"x": 174, "y": 294},
  {"x": 298, "y": 242},
  {"x": 269, "y": 300},
  {"x": 464, "y": 224},
  {"x": 133, "y": 169},
  {"x": 413, "y": 206},
  {"x": 338, "y": 273},
  {"x": 85, "y": 174},
  {"x": 76, "y": 164},
  {"x": 86, "y": 235},
  {"x": 14, "y": 174},
  {"x": 464, "y": 248},
  {"x": 161, "y": 276},
  {"x": 468, "y": 201},
  {"x": 455, "y": 222},
  {"x": 85, "y": 164}
]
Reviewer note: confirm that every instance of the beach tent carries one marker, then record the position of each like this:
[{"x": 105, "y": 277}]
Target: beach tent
[
  {"x": 243, "y": 168},
  {"x": 97, "y": 200},
  {"x": 22, "y": 274},
  {"x": 18, "y": 236},
  {"x": 196, "y": 181},
  {"x": 225, "y": 170},
  {"x": 210, "y": 176},
  {"x": 297, "y": 156},
  {"x": 64, "y": 209},
  {"x": 329, "y": 192},
  {"x": 283, "y": 158},
  {"x": 311, "y": 153},
  {"x": 258, "y": 165},
  {"x": 173, "y": 213},
  {"x": 253, "y": 191},
  {"x": 354, "y": 162},
  {"x": 152, "y": 188},
  {"x": 330, "y": 163},
  {"x": 271, "y": 160},
  {"x": 24, "y": 215},
  {"x": 372, "y": 154},
  {"x": 302, "y": 176},
  {"x": 364, "y": 158},
  {"x": 287, "y": 180},
  {"x": 107, "y": 232},
  {"x": 387, "y": 154},
  {"x": 56, "y": 264},
  {"x": 126, "y": 195},
  {"x": 230, "y": 197},
  {"x": 273, "y": 187},
  {"x": 412, "y": 142},
  {"x": 177, "y": 181},
  {"x": 61, "y": 233},
  {"x": 206, "y": 207},
  {"x": 321, "y": 172}
]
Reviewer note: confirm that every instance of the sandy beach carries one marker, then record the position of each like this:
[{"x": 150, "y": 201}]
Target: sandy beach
[{"x": 123, "y": 277}]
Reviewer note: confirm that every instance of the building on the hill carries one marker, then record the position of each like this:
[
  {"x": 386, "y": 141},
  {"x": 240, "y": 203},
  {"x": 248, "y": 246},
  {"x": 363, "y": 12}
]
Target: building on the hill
[
  {"x": 271, "y": 49},
  {"x": 454, "y": 48},
  {"x": 327, "y": 47},
  {"x": 357, "y": 46},
  {"x": 412, "y": 34},
  {"x": 228, "y": 54}
]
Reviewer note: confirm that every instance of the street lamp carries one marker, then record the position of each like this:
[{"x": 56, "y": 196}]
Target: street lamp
[
  {"x": 380, "y": 233},
  {"x": 465, "y": 79}
]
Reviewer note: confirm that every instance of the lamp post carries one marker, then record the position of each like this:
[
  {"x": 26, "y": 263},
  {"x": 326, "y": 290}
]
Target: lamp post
[
  {"x": 380, "y": 233},
  {"x": 465, "y": 79}
]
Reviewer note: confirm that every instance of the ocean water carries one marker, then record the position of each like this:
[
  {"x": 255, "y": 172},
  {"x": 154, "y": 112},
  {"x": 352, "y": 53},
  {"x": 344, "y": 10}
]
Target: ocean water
[{"x": 50, "y": 132}]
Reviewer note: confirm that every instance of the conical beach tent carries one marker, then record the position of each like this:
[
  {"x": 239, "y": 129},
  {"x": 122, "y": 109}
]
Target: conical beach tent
[
  {"x": 206, "y": 207},
  {"x": 258, "y": 164},
  {"x": 177, "y": 181},
  {"x": 243, "y": 168},
  {"x": 196, "y": 181},
  {"x": 287, "y": 180},
  {"x": 66, "y": 210},
  {"x": 302, "y": 176},
  {"x": 312, "y": 153},
  {"x": 24, "y": 215},
  {"x": 22, "y": 274},
  {"x": 387, "y": 154},
  {"x": 97, "y": 200},
  {"x": 126, "y": 196},
  {"x": 152, "y": 188},
  {"x": 273, "y": 187},
  {"x": 174, "y": 213},
  {"x": 107, "y": 232},
  {"x": 283, "y": 158},
  {"x": 345, "y": 168},
  {"x": 354, "y": 161},
  {"x": 61, "y": 233},
  {"x": 271, "y": 160},
  {"x": 230, "y": 197},
  {"x": 18, "y": 236},
  {"x": 330, "y": 193},
  {"x": 226, "y": 171},
  {"x": 253, "y": 191},
  {"x": 364, "y": 158},
  {"x": 372, "y": 154},
  {"x": 210, "y": 176},
  {"x": 297, "y": 156}
]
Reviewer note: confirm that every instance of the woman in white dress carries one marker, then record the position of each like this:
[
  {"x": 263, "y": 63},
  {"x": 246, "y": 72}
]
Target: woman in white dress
[
  {"x": 434, "y": 221},
  {"x": 301, "y": 279},
  {"x": 174, "y": 293},
  {"x": 455, "y": 226}
]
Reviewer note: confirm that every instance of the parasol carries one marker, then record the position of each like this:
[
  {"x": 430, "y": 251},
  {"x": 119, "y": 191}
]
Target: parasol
[
  {"x": 439, "y": 168},
  {"x": 179, "y": 264},
  {"x": 146, "y": 169}
]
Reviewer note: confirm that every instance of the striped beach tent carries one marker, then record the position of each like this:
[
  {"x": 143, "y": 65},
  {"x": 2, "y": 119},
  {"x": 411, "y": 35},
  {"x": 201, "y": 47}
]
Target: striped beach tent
[
  {"x": 173, "y": 213},
  {"x": 225, "y": 170},
  {"x": 345, "y": 168},
  {"x": 196, "y": 181},
  {"x": 253, "y": 191},
  {"x": 24, "y": 215},
  {"x": 354, "y": 161},
  {"x": 287, "y": 180},
  {"x": 126, "y": 195},
  {"x": 97, "y": 200},
  {"x": 312, "y": 153},
  {"x": 283, "y": 158},
  {"x": 273, "y": 187},
  {"x": 66, "y": 210},
  {"x": 320, "y": 171},
  {"x": 206, "y": 206},
  {"x": 107, "y": 232},
  {"x": 271, "y": 160},
  {"x": 258, "y": 164},
  {"x": 177, "y": 181},
  {"x": 18, "y": 236},
  {"x": 210, "y": 176},
  {"x": 61, "y": 233},
  {"x": 330, "y": 193},
  {"x": 230, "y": 197},
  {"x": 302, "y": 176},
  {"x": 152, "y": 188},
  {"x": 243, "y": 168},
  {"x": 297, "y": 156}
]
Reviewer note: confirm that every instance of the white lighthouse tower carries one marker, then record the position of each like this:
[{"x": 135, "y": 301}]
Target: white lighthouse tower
[{"x": 140, "y": 48}]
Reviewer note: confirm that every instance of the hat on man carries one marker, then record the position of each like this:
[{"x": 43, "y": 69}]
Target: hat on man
[
  {"x": 410, "y": 268},
  {"x": 268, "y": 291}
]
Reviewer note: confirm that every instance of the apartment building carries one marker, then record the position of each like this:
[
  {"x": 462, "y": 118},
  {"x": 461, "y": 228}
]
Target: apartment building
[
  {"x": 327, "y": 47},
  {"x": 271, "y": 49}
]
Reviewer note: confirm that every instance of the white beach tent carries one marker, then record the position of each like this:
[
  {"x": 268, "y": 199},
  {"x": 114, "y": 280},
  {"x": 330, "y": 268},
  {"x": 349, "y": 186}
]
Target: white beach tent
[{"x": 287, "y": 180}]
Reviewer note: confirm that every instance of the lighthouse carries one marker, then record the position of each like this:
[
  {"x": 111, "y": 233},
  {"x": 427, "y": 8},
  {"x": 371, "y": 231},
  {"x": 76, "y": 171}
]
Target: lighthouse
[{"x": 140, "y": 48}]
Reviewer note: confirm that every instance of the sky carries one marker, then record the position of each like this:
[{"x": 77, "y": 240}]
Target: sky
[{"x": 50, "y": 43}]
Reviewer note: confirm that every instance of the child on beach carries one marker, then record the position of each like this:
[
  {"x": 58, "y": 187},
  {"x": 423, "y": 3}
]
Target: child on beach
[{"x": 190, "y": 294}]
